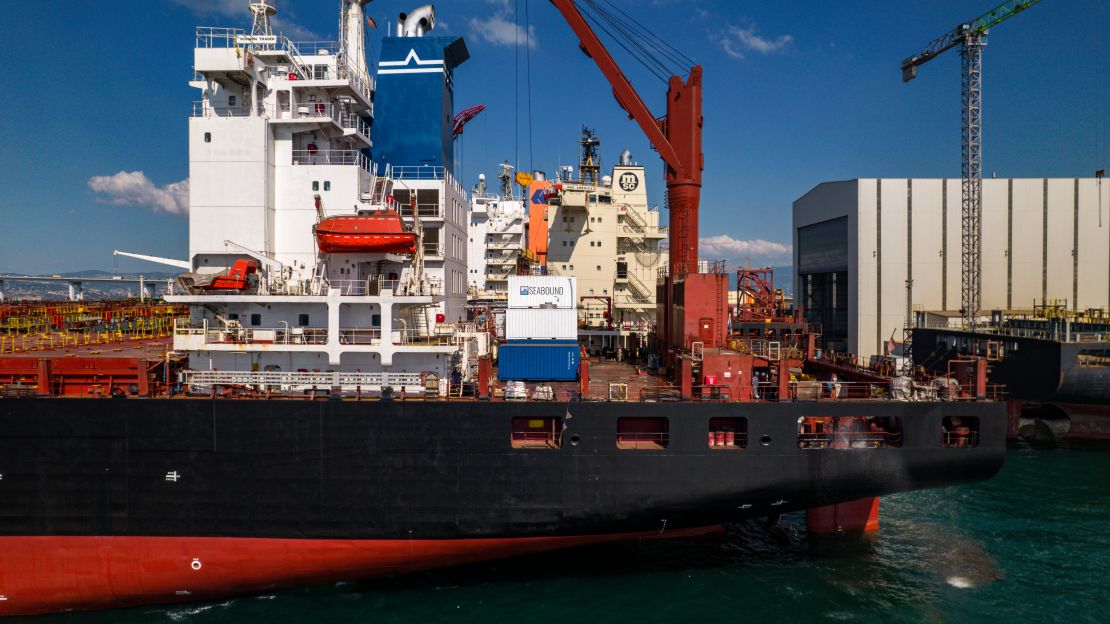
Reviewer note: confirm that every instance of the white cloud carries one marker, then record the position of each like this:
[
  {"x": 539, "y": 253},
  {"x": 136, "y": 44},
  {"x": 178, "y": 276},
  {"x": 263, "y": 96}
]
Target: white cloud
[
  {"x": 731, "y": 249},
  {"x": 217, "y": 7},
  {"x": 500, "y": 28},
  {"x": 133, "y": 188},
  {"x": 282, "y": 24},
  {"x": 294, "y": 31},
  {"x": 736, "y": 41}
]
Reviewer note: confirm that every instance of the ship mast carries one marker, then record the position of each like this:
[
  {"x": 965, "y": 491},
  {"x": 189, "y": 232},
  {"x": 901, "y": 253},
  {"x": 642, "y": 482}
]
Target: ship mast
[
  {"x": 262, "y": 10},
  {"x": 589, "y": 165}
]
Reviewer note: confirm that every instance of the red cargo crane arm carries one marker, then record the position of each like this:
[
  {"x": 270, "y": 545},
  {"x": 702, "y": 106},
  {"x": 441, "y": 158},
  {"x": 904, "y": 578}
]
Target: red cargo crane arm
[{"x": 622, "y": 89}]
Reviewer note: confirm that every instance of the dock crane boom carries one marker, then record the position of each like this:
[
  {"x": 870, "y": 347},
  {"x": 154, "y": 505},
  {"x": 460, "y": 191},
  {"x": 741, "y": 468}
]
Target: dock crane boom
[
  {"x": 676, "y": 136},
  {"x": 971, "y": 37}
]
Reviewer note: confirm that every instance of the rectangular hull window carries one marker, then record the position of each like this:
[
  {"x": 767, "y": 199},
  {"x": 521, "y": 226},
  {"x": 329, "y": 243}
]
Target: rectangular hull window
[
  {"x": 538, "y": 433},
  {"x": 728, "y": 433},
  {"x": 961, "y": 431},
  {"x": 643, "y": 433},
  {"x": 849, "y": 432}
]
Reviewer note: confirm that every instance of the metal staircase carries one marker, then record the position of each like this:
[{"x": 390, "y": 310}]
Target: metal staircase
[{"x": 638, "y": 286}]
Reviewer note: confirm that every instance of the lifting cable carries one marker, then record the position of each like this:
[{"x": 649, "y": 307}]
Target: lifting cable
[
  {"x": 528, "y": 73},
  {"x": 516, "y": 87},
  {"x": 681, "y": 63},
  {"x": 660, "y": 58},
  {"x": 655, "y": 69}
]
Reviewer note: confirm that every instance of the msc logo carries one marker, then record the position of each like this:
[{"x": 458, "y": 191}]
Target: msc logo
[{"x": 628, "y": 181}]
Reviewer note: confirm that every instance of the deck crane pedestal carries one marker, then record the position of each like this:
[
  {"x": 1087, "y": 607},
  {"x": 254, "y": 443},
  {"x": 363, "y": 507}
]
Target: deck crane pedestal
[{"x": 972, "y": 38}]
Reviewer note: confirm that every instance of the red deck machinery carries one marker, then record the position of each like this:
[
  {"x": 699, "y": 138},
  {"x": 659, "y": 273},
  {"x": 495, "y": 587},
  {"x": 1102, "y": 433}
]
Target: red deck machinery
[{"x": 693, "y": 314}]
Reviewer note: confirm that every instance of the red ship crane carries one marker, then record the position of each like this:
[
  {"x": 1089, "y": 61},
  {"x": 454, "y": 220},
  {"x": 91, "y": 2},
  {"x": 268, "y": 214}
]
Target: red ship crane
[
  {"x": 676, "y": 136},
  {"x": 465, "y": 116},
  {"x": 757, "y": 299}
]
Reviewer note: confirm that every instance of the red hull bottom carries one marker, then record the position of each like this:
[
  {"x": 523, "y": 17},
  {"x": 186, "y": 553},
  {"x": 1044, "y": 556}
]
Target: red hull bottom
[{"x": 48, "y": 574}]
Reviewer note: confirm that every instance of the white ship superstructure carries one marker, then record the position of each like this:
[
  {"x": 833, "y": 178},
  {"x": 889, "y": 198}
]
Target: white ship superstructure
[
  {"x": 603, "y": 232},
  {"x": 496, "y": 236},
  {"x": 279, "y": 144}
]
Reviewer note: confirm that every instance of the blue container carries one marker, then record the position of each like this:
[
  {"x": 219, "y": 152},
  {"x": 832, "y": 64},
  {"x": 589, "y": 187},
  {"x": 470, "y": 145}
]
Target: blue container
[{"x": 538, "y": 360}]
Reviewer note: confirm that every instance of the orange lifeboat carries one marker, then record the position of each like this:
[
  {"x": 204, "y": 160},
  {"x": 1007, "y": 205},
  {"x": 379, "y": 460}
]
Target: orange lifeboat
[{"x": 376, "y": 232}]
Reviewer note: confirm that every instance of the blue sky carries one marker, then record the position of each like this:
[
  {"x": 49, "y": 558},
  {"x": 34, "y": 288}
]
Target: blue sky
[{"x": 796, "y": 93}]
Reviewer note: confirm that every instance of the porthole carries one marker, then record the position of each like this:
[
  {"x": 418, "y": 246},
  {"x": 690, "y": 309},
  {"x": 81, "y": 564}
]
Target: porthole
[
  {"x": 765, "y": 440},
  {"x": 575, "y": 439}
]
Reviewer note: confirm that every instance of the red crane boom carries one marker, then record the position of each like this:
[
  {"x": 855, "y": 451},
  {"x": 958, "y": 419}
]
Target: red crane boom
[{"x": 676, "y": 136}]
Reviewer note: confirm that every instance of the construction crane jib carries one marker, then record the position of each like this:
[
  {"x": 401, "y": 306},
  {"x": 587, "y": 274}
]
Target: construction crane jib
[
  {"x": 971, "y": 37},
  {"x": 676, "y": 136}
]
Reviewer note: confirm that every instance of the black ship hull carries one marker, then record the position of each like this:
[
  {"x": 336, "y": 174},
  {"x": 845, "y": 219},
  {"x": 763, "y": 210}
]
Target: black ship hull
[
  {"x": 1061, "y": 388},
  {"x": 143, "y": 473}
]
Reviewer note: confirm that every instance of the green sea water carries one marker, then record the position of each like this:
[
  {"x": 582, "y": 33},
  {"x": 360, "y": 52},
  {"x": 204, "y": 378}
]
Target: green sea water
[{"x": 1031, "y": 545}]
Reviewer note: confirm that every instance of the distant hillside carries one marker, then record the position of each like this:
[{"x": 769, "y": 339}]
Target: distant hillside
[
  {"x": 154, "y": 275},
  {"x": 59, "y": 291}
]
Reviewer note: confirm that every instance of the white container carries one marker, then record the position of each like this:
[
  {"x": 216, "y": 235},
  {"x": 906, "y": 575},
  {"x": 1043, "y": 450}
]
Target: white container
[
  {"x": 541, "y": 324},
  {"x": 537, "y": 291}
]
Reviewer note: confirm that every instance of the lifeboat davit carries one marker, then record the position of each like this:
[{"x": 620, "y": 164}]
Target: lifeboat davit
[{"x": 376, "y": 232}]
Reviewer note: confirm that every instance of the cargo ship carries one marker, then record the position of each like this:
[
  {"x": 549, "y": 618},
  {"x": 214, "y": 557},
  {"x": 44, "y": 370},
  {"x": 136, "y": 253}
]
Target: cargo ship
[
  {"x": 1054, "y": 362},
  {"x": 328, "y": 413}
]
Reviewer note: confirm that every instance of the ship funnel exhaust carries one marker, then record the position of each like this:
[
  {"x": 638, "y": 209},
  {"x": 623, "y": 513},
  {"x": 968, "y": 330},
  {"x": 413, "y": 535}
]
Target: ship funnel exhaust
[
  {"x": 415, "y": 24},
  {"x": 626, "y": 157}
]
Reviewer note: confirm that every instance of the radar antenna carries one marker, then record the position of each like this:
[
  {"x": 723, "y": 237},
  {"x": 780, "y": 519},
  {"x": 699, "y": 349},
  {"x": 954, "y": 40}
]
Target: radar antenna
[{"x": 589, "y": 166}]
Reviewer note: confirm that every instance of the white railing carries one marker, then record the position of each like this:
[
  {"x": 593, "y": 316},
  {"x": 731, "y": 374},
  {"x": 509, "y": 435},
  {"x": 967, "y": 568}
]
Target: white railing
[
  {"x": 373, "y": 286},
  {"x": 302, "y": 380},
  {"x": 361, "y": 86},
  {"x": 313, "y": 48},
  {"x": 206, "y": 109},
  {"x": 309, "y": 110},
  {"x": 514, "y": 245},
  {"x": 331, "y": 157},
  {"x": 418, "y": 172},
  {"x": 422, "y": 337},
  {"x": 285, "y": 335},
  {"x": 215, "y": 37},
  {"x": 424, "y": 211},
  {"x": 359, "y": 336},
  {"x": 323, "y": 110},
  {"x": 507, "y": 257},
  {"x": 356, "y": 123}
]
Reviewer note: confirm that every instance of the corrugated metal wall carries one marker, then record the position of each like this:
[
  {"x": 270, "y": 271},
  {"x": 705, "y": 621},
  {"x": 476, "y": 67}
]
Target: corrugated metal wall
[
  {"x": 541, "y": 324},
  {"x": 1042, "y": 239}
]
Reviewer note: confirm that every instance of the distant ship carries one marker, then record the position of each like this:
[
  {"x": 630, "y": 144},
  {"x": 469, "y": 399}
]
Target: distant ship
[{"x": 1055, "y": 367}]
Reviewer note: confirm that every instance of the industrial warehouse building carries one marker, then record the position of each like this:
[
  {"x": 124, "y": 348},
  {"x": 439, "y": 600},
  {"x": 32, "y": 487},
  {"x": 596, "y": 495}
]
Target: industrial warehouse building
[{"x": 866, "y": 249}]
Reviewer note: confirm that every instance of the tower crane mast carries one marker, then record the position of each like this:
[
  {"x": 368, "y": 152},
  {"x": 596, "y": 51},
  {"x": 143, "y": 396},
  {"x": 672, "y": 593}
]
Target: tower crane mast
[{"x": 972, "y": 38}]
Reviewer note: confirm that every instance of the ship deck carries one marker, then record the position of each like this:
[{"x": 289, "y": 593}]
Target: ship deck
[{"x": 143, "y": 349}]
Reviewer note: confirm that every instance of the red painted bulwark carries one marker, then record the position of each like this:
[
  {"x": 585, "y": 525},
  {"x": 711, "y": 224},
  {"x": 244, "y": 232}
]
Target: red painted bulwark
[{"x": 47, "y": 574}]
